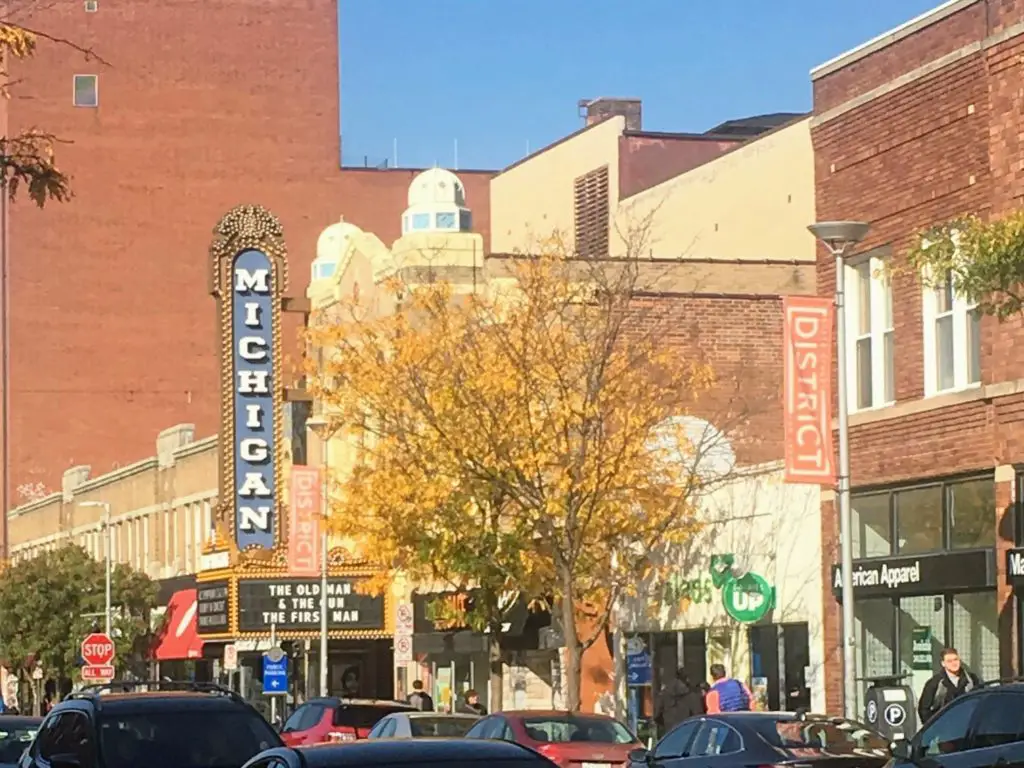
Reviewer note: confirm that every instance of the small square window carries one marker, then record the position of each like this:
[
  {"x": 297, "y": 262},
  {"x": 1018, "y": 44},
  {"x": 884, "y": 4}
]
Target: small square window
[
  {"x": 87, "y": 91},
  {"x": 445, "y": 220},
  {"x": 91, "y": 6},
  {"x": 421, "y": 221}
]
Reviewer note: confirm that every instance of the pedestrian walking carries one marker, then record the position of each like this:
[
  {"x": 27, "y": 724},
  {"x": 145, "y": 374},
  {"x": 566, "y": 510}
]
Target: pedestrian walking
[
  {"x": 420, "y": 698},
  {"x": 952, "y": 680},
  {"x": 678, "y": 701},
  {"x": 727, "y": 694},
  {"x": 471, "y": 704}
]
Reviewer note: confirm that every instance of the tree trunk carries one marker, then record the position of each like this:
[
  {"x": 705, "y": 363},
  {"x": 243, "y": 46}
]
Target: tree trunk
[
  {"x": 496, "y": 702},
  {"x": 573, "y": 655}
]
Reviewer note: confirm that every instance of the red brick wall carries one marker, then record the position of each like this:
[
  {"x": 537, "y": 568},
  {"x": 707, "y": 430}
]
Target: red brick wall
[
  {"x": 740, "y": 338},
  {"x": 205, "y": 105},
  {"x": 648, "y": 159},
  {"x": 940, "y": 146}
]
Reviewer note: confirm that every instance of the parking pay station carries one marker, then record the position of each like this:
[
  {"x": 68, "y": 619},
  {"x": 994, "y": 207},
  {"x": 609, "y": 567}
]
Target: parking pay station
[{"x": 890, "y": 708}]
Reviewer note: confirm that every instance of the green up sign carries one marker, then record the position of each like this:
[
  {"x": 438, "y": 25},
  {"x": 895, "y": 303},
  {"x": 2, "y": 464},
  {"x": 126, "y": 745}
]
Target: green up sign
[{"x": 747, "y": 598}]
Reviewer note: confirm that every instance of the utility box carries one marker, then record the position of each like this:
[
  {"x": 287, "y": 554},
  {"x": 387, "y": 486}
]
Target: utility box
[{"x": 891, "y": 708}]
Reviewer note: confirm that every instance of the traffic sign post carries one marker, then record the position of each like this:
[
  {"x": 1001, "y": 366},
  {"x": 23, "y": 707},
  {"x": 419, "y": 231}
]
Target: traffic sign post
[
  {"x": 98, "y": 653},
  {"x": 275, "y": 672}
]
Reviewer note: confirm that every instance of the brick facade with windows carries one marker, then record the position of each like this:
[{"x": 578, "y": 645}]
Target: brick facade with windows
[
  {"x": 912, "y": 130},
  {"x": 203, "y": 106}
]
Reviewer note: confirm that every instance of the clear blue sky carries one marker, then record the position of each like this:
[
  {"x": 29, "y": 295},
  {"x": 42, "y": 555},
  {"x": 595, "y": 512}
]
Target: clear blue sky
[{"x": 501, "y": 75}]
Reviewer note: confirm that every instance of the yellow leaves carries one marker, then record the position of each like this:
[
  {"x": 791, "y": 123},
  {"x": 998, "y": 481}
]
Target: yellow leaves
[
  {"x": 529, "y": 435},
  {"x": 16, "y": 41}
]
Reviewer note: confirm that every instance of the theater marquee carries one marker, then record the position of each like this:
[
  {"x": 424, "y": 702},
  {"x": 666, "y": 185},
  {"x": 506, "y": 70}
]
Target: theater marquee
[{"x": 249, "y": 276}]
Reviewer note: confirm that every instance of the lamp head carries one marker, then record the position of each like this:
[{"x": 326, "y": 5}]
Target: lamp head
[{"x": 839, "y": 235}]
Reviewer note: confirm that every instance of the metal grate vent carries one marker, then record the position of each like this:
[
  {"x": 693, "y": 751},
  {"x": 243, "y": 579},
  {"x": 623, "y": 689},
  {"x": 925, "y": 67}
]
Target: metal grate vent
[{"x": 591, "y": 218}]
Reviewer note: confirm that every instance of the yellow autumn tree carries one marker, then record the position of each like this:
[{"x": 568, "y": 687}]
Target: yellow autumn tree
[
  {"x": 28, "y": 158},
  {"x": 531, "y": 437}
]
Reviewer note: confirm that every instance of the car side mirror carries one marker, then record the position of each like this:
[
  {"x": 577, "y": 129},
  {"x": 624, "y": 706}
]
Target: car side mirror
[
  {"x": 65, "y": 761},
  {"x": 902, "y": 750},
  {"x": 639, "y": 756}
]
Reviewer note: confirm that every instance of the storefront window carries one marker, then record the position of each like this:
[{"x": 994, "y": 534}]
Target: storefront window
[
  {"x": 871, "y": 525},
  {"x": 916, "y": 613},
  {"x": 976, "y": 632},
  {"x": 972, "y": 514},
  {"x": 919, "y": 519},
  {"x": 873, "y": 630}
]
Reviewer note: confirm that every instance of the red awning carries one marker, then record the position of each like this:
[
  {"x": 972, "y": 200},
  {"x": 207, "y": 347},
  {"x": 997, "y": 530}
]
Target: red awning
[{"x": 179, "y": 639}]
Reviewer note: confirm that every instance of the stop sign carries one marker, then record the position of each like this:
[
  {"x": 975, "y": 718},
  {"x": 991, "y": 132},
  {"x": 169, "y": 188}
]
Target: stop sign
[{"x": 97, "y": 649}]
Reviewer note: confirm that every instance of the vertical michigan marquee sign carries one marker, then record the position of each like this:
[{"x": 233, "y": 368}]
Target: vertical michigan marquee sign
[{"x": 249, "y": 275}]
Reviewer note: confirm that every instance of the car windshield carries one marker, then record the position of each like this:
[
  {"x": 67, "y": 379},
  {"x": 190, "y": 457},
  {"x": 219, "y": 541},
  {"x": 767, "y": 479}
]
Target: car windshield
[
  {"x": 454, "y": 727},
  {"x": 836, "y": 735},
  {"x": 556, "y": 729},
  {"x": 14, "y": 740},
  {"x": 198, "y": 738},
  {"x": 362, "y": 715}
]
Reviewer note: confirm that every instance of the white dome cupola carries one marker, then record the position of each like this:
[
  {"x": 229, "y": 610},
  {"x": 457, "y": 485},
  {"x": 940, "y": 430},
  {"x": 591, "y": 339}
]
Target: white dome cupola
[
  {"x": 437, "y": 203},
  {"x": 331, "y": 247}
]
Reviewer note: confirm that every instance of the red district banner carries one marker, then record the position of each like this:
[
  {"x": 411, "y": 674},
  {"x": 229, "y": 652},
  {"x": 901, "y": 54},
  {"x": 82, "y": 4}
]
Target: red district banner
[
  {"x": 807, "y": 343},
  {"x": 304, "y": 522}
]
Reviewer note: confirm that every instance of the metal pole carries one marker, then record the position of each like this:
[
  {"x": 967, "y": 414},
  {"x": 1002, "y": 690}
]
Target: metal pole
[
  {"x": 323, "y": 567},
  {"x": 273, "y": 699},
  {"x": 109, "y": 549},
  {"x": 843, "y": 483},
  {"x": 5, "y": 362}
]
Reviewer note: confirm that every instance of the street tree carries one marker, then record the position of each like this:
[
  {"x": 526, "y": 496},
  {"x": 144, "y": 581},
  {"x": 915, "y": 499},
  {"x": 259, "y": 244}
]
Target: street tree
[
  {"x": 984, "y": 259},
  {"x": 535, "y": 436},
  {"x": 50, "y": 602},
  {"x": 28, "y": 158}
]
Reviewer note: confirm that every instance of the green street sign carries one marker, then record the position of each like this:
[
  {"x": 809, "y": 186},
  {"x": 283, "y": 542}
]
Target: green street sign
[{"x": 747, "y": 598}]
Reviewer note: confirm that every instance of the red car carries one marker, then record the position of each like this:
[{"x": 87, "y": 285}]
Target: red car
[
  {"x": 570, "y": 739},
  {"x": 333, "y": 720}
]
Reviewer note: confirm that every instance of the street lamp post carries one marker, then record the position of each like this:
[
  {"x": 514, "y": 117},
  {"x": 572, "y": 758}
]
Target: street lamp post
[
  {"x": 320, "y": 427},
  {"x": 839, "y": 237},
  {"x": 108, "y": 547}
]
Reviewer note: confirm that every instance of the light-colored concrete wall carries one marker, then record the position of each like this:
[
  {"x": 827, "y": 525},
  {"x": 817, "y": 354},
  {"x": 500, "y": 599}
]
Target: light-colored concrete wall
[
  {"x": 535, "y": 198},
  {"x": 161, "y": 509},
  {"x": 752, "y": 203}
]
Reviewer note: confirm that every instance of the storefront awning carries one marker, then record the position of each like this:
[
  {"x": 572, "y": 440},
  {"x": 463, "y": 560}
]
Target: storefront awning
[{"x": 179, "y": 639}]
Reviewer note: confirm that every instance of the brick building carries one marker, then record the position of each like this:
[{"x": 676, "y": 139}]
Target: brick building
[
  {"x": 910, "y": 130},
  {"x": 196, "y": 107}
]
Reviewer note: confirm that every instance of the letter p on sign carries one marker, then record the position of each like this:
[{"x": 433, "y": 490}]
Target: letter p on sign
[{"x": 97, "y": 650}]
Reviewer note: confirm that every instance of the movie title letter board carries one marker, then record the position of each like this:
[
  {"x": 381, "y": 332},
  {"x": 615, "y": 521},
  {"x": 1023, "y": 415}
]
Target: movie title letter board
[
  {"x": 294, "y": 604},
  {"x": 212, "y": 608}
]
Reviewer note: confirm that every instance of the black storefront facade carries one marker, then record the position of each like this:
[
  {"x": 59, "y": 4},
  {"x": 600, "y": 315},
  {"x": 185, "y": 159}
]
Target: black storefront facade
[
  {"x": 926, "y": 576},
  {"x": 454, "y": 657},
  {"x": 254, "y": 612}
]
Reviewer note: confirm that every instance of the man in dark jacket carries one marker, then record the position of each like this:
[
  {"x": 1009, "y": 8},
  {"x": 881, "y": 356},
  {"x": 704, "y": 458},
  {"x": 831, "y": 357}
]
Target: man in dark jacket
[
  {"x": 677, "y": 701},
  {"x": 420, "y": 698},
  {"x": 949, "y": 683}
]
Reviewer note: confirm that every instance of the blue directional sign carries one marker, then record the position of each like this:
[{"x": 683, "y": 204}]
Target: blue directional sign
[
  {"x": 638, "y": 668},
  {"x": 275, "y": 674}
]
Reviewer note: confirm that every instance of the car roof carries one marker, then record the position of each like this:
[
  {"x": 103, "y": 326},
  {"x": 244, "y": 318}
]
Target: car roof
[
  {"x": 337, "y": 701},
  {"x": 551, "y": 713},
  {"x": 447, "y": 715},
  {"x": 152, "y": 701},
  {"x": 414, "y": 751},
  {"x": 18, "y": 721}
]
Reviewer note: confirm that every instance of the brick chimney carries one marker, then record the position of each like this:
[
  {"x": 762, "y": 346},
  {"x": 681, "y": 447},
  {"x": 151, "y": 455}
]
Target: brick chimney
[{"x": 596, "y": 110}]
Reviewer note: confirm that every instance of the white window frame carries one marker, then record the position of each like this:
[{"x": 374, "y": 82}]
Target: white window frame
[
  {"x": 74, "y": 91},
  {"x": 961, "y": 354},
  {"x": 876, "y": 299}
]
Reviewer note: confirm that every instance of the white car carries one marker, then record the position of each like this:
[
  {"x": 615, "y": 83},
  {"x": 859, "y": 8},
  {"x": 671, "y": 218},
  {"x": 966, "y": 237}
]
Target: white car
[{"x": 415, "y": 725}]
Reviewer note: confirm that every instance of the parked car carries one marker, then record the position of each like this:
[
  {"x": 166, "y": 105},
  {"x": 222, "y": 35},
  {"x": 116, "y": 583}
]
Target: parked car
[
  {"x": 406, "y": 753},
  {"x": 156, "y": 724},
  {"x": 569, "y": 739},
  {"x": 413, "y": 725},
  {"x": 334, "y": 719},
  {"x": 984, "y": 727},
  {"x": 768, "y": 739},
  {"x": 16, "y": 735}
]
